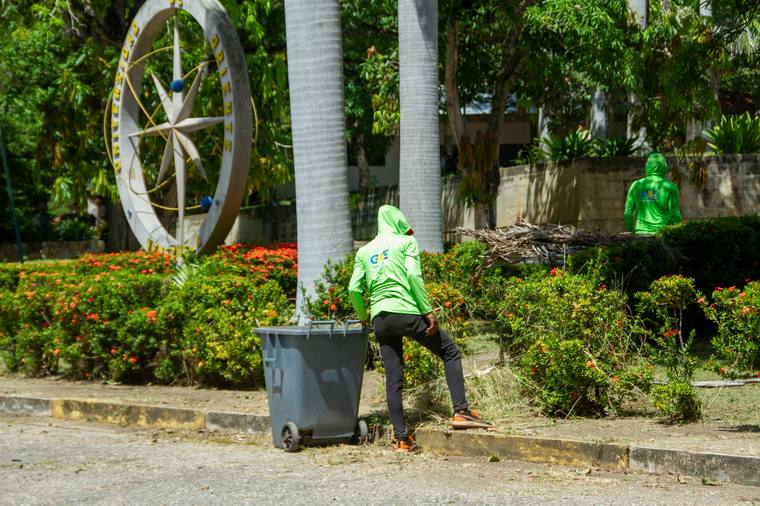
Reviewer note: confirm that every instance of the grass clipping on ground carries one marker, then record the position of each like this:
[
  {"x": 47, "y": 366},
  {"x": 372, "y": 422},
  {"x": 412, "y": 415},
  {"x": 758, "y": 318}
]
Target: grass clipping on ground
[{"x": 494, "y": 393}]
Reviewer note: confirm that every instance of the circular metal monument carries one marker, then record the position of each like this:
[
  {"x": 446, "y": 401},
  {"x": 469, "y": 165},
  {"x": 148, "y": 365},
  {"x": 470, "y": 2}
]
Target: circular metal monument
[{"x": 144, "y": 71}]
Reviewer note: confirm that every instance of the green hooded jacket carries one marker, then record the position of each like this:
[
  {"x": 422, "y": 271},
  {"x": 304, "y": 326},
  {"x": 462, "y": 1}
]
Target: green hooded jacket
[
  {"x": 654, "y": 198},
  {"x": 389, "y": 266}
]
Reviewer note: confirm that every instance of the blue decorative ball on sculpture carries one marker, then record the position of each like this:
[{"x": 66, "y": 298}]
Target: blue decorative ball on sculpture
[
  {"x": 177, "y": 85},
  {"x": 206, "y": 203}
]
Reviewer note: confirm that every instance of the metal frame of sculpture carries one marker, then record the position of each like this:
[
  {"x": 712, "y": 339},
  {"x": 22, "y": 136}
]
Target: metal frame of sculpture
[{"x": 130, "y": 122}]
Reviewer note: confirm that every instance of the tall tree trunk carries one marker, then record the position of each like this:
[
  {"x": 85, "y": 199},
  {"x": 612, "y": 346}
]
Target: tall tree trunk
[
  {"x": 315, "y": 76},
  {"x": 480, "y": 178},
  {"x": 695, "y": 127},
  {"x": 419, "y": 171},
  {"x": 640, "y": 9},
  {"x": 362, "y": 164},
  {"x": 599, "y": 120}
]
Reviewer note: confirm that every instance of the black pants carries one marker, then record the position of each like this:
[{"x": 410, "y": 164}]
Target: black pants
[{"x": 390, "y": 329}]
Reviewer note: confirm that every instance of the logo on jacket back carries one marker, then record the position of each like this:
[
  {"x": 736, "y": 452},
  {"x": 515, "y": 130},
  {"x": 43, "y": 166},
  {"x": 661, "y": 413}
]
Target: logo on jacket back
[
  {"x": 650, "y": 195},
  {"x": 380, "y": 258}
]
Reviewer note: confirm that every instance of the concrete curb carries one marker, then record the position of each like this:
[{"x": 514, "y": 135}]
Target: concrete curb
[
  {"x": 709, "y": 466},
  {"x": 25, "y": 405},
  {"x": 614, "y": 457},
  {"x": 531, "y": 449},
  {"x": 140, "y": 415}
]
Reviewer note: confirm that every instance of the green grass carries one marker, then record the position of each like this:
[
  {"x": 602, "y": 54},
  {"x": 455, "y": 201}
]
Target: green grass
[{"x": 734, "y": 406}]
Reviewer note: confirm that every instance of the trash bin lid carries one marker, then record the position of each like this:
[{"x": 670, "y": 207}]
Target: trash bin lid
[{"x": 320, "y": 328}]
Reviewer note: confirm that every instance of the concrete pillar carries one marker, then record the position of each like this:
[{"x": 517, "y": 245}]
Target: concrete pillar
[
  {"x": 640, "y": 9},
  {"x": 599, "y": 124}
]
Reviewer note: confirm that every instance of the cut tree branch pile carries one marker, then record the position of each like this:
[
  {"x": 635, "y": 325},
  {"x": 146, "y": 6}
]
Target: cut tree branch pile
[{"x": 550, "y": 244}]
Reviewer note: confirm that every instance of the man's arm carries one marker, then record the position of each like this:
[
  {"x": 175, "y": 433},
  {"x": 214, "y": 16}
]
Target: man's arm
[
  {"x": 414, "y": 274},
  {"x": 356, "y": 289},
  {"x": 630, "y": 203}
]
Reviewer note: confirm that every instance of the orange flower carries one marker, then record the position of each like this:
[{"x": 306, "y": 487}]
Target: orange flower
[
  {"x": 701, "y": 300},
  {"x": 615, "y": 379},
  {"x": 57, "y": 352},
  {"x": 670, "y": 333},
  {"x": 533, "y": 370},
  {"x": 152, "y": 315},
  {"x": 746, "y": 310},
  {"x": 226, "y": 302},
  {"x": 591, "y": 364},
  {"x": 722, "y": 371},
  {"x": 113, "y": 351},
  {"x": 447, "y": 303},
  {"x": 133, "y": 359},
  {"x": 333, "y": 307},
  {"x": 200, "y": 363}
]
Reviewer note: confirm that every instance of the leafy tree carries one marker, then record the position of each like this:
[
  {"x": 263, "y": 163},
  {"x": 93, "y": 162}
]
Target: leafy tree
[
  {"x": 58, "y": 60},
  {"x": 369, "y": 26}
]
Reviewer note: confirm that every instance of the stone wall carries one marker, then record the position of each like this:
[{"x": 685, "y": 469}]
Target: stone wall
[
  {"x": 591, "y": 193},
  {"x": 50, "y": 249}
]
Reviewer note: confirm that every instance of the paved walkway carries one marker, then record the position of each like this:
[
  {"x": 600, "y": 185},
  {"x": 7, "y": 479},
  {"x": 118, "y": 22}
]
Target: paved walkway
[{"x": 615, "y": 443}]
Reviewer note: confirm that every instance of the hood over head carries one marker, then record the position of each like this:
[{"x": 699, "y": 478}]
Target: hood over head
[
  {"x": 656, "y": 165},
  {"x": 390, "y": 220}
]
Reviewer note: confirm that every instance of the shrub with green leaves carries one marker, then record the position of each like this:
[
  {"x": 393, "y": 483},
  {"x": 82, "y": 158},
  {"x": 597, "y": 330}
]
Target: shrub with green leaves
[
  {"x": 122, "y": 317},
  {"x": 575, "y": 145},
  {"x": 573, "y": 341},
  {"x": 713, "y": 252},
  {"x": 613, "y": 147},
  {"x": 217, "y": 345},
  {"x": 678, "y": 401},
  {"x": 735, "y": 134},
  {"x": 662, "y": 310},
  {"x": 736, "y": 312}
]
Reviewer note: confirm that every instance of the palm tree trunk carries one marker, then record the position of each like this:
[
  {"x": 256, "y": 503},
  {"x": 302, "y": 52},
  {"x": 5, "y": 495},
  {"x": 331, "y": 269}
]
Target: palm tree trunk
[
  {"x": 419, "y": 171},
  {"x": 315, "y": 75}
]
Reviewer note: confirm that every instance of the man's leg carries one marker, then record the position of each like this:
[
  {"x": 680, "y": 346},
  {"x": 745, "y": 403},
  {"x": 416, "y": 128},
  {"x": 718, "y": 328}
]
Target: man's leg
[
  {"x": 391, "y": 351},
  {"x": 441, "y": 345}
]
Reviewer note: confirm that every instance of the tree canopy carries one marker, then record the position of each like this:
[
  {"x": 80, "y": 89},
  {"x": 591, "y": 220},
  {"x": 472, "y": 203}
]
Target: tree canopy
[{"x": 58, "y": 59}]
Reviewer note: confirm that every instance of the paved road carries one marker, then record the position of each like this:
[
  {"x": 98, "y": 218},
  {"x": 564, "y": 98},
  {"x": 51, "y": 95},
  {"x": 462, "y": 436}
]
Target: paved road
[{"x": 46, "y": 461}]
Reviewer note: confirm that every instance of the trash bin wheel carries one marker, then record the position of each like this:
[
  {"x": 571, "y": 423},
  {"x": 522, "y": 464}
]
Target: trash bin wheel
[
  {"x": 291, "y": 439},
  {"x": 360, "y": 433}
]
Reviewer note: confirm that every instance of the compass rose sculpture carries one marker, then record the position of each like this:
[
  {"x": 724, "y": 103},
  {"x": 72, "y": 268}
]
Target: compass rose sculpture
[{"x": 171, "y": 127}]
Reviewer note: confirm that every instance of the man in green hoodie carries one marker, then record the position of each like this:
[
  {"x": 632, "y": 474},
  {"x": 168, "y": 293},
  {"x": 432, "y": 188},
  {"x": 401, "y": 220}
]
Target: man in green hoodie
[
  {"x": 654, "y": 198},
  {"x": 389, "y": 266}
]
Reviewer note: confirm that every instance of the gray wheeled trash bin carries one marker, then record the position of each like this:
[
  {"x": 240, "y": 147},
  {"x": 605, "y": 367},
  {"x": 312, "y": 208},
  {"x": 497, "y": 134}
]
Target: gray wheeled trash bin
[{"x": 313, "y": 375}]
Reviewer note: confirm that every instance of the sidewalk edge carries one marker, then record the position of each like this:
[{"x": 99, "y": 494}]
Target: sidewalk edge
[{"x": 613, "y": 457}]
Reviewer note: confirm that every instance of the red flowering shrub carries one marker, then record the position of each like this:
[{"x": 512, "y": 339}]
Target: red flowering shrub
[
  {"x": 737, "y": 315},
  {"x": 278, "y": 264},
  {"x": 124, "y": 317}
]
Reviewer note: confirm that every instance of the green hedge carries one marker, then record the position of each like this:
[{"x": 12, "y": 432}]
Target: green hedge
[
  {"x": 714, "y": 252},
  {"x": 131, "y": 318}
]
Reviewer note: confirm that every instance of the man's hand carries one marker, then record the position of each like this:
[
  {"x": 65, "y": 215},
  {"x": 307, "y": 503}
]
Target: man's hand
[{"x": 432, "y": 324}]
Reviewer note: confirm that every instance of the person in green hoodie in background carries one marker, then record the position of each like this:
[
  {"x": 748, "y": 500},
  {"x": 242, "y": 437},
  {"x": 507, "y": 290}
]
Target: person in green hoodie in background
[
  {"x": 389, "y": 267},
  {"x": 653, "y": 198}
]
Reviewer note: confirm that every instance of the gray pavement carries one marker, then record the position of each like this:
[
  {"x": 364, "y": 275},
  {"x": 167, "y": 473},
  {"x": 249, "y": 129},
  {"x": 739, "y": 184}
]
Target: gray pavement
[{"x": 50, "y": 461}]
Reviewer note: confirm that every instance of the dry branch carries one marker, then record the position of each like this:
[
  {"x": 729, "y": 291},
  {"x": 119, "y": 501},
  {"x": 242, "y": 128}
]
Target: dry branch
[{"x": 549, "y": 244}]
